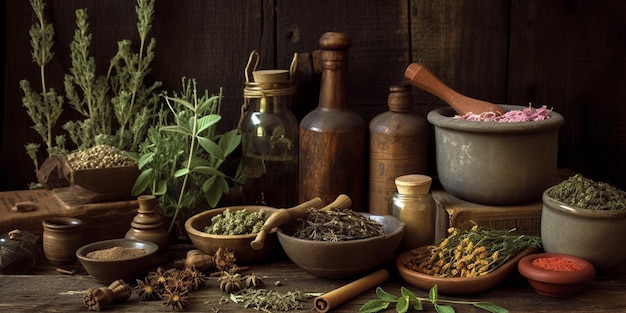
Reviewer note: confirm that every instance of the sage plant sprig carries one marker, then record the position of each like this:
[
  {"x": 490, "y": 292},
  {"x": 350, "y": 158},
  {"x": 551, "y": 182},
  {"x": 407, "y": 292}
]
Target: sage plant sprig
[
  {"x": 43, "y": 108},
  {"x": 408, "y": 300},
  {"x": 180, "y": 162}
]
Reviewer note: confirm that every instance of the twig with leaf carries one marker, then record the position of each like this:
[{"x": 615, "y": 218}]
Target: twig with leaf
[
  {"x": 180, "y": 162},
  {"x": 408, "y": 300}
]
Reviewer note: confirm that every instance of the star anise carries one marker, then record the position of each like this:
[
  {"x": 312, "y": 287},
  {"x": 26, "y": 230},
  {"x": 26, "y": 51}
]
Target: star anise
[
  {"x": 252, "y": 281},
  {"x": 146, "y": 291},
  {"x": 176, "y": 296},
  {"x": 230, "y": 282},
  {"x": 224, "y": 259},
  {"x": 193, "y": 278}
]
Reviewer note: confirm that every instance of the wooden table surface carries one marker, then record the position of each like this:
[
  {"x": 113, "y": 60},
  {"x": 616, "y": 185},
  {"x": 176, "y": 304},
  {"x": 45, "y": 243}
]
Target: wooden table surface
[{"x": 45, "y": 290}]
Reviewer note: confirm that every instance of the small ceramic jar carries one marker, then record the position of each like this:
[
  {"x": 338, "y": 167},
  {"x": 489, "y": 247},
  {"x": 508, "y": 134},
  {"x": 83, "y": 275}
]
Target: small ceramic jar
[{"x": 62, "y": 236}]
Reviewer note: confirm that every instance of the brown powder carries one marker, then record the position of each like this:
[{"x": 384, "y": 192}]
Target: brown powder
[{"x": 116, "y": 253}]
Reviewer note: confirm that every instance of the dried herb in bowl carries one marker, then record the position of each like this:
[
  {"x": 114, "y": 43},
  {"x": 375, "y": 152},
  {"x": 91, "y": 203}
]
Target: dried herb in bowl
[
  {"x": 470, "y": 253},
  {"x": 337, "y": 224},
  {"x": 588, "y": 194}
]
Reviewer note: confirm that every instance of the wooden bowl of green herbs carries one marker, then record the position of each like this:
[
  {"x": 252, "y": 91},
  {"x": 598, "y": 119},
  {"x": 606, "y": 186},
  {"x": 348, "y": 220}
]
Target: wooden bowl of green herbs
[{"x": 196, "y": 227}]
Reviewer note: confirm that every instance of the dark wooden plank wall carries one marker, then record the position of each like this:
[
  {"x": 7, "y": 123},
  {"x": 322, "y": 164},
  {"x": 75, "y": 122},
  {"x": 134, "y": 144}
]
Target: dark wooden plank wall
[{"x": 567, "y": 54}]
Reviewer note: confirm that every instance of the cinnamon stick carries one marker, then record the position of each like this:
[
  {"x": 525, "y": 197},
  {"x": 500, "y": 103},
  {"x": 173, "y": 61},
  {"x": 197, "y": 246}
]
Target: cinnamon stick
[{"x": 342, "y": 294}]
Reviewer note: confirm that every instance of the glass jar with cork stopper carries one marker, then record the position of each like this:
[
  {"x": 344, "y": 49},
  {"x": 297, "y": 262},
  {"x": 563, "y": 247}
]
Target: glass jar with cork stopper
[{"x": 414, "y": 205}]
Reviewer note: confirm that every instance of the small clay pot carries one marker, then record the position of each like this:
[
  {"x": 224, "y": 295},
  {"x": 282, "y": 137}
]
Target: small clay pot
[
  {"x": 588, "y": 234},
  {"x": 62, "y": 236},
  {"x": 553, "y": 283}
]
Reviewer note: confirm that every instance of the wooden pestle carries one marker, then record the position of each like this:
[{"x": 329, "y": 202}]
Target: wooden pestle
[
  {"x": 284, "y": 216},
  {"x": 420, "y": 76}
]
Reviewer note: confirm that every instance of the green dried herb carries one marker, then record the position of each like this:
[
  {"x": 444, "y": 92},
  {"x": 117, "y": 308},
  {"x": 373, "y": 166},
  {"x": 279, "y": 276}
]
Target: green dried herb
[
  {"x": 585, "y": 193},
  {"x": 266, "y": 300},
  {"x": 409, "y": 300},
  {"x": 335, "y": 225},
  {"x": 44, "y": 108},
  {"x": 236, "y": 223}
]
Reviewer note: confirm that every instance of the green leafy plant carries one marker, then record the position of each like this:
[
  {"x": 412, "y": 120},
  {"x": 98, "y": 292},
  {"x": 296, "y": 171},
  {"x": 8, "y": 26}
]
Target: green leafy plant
[
  {"x": 180, "y": 158},
  {"x": 45, "y": 107},
  {"x": 408, "y": 300},
  {"x": 133, "y": 103}
]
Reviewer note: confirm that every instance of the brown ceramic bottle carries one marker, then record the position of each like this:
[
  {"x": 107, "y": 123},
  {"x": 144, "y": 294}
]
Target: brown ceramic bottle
[
  {"x": 399, "y": 141},
  {"x": 148, "y": 224},
  {"x": 333, "y": 137}
]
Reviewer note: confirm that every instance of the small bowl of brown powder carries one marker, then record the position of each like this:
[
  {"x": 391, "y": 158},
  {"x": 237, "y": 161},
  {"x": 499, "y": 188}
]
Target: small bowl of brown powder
[{"x": 109, "y": 260}]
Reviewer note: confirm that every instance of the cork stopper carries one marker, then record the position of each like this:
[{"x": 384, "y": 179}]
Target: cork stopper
[
  {"x": 413, "y": 184},
  {"x": 270, "y": 76},
  {"x": 400, "y": 98}
]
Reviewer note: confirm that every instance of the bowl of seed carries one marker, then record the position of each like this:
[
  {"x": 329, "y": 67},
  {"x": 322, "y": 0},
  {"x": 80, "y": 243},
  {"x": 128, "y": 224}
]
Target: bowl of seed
[
  {"x": 110, "y": 260},
  {"x": 340, "y": 242},
  {"x": 101, "y": 173},
  {"x": 233, "y": 227}
]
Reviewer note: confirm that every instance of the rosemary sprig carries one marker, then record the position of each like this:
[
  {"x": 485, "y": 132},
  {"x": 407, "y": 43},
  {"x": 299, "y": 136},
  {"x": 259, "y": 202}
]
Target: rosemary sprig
[
  {"x": 408, "y": 300},
  {"x": 43, "y": 108}
]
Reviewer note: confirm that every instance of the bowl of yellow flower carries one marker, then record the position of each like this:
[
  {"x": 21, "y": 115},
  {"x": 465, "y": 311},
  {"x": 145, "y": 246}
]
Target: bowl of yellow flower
[{"x": 467, "y": 261}]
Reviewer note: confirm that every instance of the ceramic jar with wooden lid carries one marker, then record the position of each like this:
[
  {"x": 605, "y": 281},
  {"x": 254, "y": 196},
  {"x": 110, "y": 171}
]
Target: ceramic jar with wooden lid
[{"x": 147, "y": 225}]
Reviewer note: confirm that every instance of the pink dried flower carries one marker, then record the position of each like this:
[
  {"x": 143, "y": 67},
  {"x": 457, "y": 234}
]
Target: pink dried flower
[{"x": 514, "y": 116}]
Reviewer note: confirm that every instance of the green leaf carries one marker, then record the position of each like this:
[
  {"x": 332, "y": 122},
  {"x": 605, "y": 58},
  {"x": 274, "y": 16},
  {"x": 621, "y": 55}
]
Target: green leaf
[
  {"x": 229, "y": 141},
  {"x": 433, "y": 294},
  {"x": 176, "y": 129},
  {"x": 211, "y": 147},
  {"x": 181, "y": 172},
  {"x": 143, "y": 181},
  {"x": 181, "y": 101},
  {"x": 491, "y": 307},
  {"x": 443, "y": 308},
  {"x": 145, "y": 159},
  {"x": 402, "y": 306},
  {"x": 207, "y": 170},
  {"x": 207, "y": 121},
  {"x": 161, "y": 188},
  {"x": 373, "y": 306},
  {"x": 385, "y": 296},
  {"x": 407, "y": 293}
]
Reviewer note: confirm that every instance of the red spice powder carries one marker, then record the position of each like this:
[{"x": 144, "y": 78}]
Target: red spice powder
[{"x": 556, "y": 264}]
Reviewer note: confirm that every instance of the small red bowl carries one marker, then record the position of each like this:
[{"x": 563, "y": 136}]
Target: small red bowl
[{"x": 557, "y": 283}]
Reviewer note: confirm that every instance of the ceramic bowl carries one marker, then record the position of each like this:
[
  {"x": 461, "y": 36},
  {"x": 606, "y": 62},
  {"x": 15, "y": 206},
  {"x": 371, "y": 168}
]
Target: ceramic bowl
[
  {"x": 495, "y": 163},
  {"x": 240, "y": 244},
  {"x": 588, "y": 234},
  {"x": 342, "y": 259},
  {"x": 456, "y": 285},
  {"x": 556, "y": 284},
  {"x": 101, "y": 184},
  {"x": 107, "y": 271}
]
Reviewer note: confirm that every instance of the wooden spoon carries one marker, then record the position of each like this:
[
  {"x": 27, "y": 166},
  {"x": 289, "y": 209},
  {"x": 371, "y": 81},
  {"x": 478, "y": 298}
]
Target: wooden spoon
[
  {"x": 420, "y": 76},
  {"x": 284, "y": 216}
]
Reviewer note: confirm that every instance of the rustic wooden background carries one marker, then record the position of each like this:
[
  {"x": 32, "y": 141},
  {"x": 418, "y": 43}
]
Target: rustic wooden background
[{"x": 566, "y": 54}]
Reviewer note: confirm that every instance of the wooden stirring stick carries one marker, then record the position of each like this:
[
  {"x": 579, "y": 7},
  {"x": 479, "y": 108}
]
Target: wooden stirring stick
[
  {"x": 420, "y": 76},
  {"x": 281, "y": 217},
  {"x": 284, "y": 216}
]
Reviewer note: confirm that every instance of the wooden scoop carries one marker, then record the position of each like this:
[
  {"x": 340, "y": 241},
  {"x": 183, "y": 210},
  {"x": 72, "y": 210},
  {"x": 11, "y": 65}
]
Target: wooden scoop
[
  {"x": 420, "y": 76},
  {"x": 284, "y": 216}
]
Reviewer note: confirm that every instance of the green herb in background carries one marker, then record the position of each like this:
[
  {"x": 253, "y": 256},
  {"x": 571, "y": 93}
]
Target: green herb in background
[
  {"x": 408, "y": 300},
  {"x": 180, "y": 158},
  {"x": 43, "y": 108},
  {"x": 119, "y": 99}
]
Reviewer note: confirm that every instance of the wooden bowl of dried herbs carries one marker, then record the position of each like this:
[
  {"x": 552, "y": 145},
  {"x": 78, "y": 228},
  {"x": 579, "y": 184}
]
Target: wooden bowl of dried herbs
[
  {"x": 467, "y": 261},
  {"x": 233, "y": 227},
  {"x": 340, "y": 243}
]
